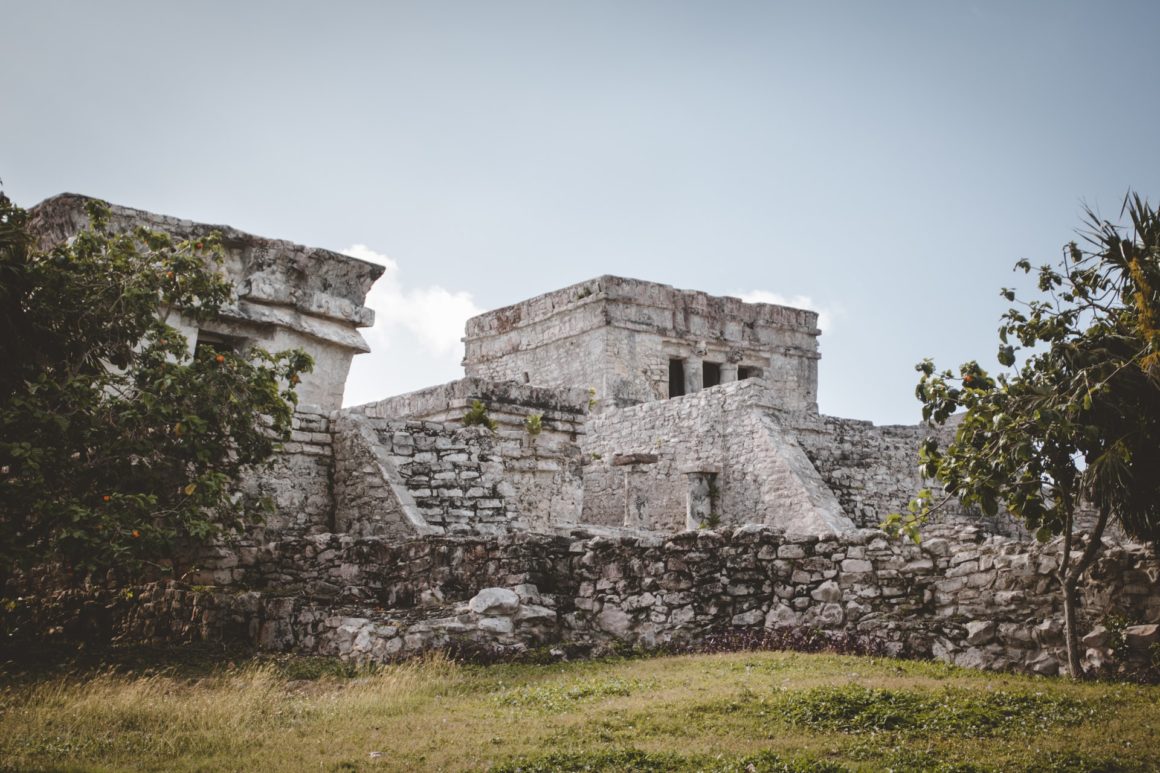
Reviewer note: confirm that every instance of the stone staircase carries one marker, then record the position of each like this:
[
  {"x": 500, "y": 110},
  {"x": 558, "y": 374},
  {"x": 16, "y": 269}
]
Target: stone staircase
[
  {"x": 453, "y": 475},
  {"x": 401, "y": 478}
]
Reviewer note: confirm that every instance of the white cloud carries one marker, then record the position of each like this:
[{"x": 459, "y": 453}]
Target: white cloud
[
  {"x": 826, "y": 314},
  {"x": 415, "y": 341}
]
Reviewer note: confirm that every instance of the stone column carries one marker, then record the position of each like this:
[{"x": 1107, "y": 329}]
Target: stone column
[
  {"x": 728, "y": 372},
  {"x": 694, "y": 377}
]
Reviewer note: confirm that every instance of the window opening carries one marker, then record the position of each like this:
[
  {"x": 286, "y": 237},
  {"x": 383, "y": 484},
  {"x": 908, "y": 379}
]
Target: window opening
[
  {"x": 676, "y": 378},
  {"x": 216, "y": 343},
  {"x": 748, "y": 371},
  {"x": 710, "y": 374}
]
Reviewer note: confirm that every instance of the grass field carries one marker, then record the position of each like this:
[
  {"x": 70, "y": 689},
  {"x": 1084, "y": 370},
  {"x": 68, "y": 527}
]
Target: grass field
[{"x": 767, "y": 711}]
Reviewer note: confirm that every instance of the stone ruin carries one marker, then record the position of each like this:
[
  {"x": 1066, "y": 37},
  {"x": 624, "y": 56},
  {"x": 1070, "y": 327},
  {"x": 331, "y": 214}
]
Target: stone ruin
[{"x": 658, "y": 472}]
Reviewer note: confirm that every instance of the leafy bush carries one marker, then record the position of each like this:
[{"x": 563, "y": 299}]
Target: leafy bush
[{"x": 116, "y": 440}]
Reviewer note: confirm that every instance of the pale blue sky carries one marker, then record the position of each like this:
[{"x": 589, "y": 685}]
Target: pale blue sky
[{"x": 887, "y": 160}]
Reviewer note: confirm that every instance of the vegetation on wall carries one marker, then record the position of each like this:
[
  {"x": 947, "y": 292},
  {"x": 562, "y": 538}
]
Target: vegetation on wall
[
  {"x": 476, "y": 416},
  {"x": 116, "y": 440},
  {"x": 1077, "y": 423}
]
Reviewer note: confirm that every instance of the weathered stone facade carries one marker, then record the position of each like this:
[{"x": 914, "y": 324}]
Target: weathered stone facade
[
  {"x": 289, "y": 296},
  {"x": 621, "y": 338},
  {"x": 979, "y": 602},
  {"x": 645, "y": 462},
  {"x": 657, "y": 472}
]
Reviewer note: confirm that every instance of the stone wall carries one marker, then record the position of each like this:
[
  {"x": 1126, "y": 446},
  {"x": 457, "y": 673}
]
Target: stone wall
[
  {"x": 990, "y": 603},
  {"x": 405, "y": 478},
  {"x": 297, "y": 481},
  {"x": 639, "y": 462},
  {"x": 540, "y": 474},
  {"x": 401, "y": 478},
  {"x": 873, "y": 471}
]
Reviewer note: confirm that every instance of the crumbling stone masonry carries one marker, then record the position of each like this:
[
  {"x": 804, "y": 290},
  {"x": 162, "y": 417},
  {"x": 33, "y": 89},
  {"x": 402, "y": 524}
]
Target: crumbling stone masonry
[
  {"x": 985, "y": 602},
  {"x": 657, "y": 472},
  {"x": 289, "y": 296}
]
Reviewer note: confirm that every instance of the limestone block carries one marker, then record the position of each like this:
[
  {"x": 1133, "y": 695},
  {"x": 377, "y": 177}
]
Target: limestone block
[
  {"x": 752, "y": 617},
  {"x": 980, "y": 632},
  {"x": 614, "y": 620},
  {"x": 496, "y": 625},
  {"x": 826, "y": 616},
  {"x": 535, "y": 614},
  {"x": 1048, "y": 632},
  {"x": 937, "y": 546},
  {"x": 1044, "y": 663},
  {"x": 495, "y": 601},
  {"x": 1141, "y": 637}
]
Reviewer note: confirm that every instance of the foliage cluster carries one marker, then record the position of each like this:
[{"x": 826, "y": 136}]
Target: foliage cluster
[
  {"x": 1077, "y": 422},
  {"x": 476, "y": 416},
  {"x": 116, "y": 441}
]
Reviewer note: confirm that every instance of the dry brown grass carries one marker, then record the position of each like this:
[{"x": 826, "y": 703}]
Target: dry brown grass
[{"x": 725, "y": 712}]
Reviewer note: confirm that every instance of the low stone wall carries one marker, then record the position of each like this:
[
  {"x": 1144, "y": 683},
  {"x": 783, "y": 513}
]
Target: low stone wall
[
  {"x": 989, "y": 604},
  {"x": 509, "y": 403}
]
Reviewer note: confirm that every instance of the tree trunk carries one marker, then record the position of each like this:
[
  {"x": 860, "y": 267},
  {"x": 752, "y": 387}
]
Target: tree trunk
[
  {"x": 1071, "y": 635},
  {"x": 1069, "y": 577}
]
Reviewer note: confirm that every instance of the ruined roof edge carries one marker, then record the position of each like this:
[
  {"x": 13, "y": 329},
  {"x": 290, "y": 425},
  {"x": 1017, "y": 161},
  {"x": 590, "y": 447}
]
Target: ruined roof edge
[
  {"x": 309, "y": 281},
  {"x": 73, "y": 204},
  {"x": 610, "y": 287}
]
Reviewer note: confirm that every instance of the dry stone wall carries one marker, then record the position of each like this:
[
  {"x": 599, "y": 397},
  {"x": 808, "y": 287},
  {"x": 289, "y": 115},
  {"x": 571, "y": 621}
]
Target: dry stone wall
[
  {"x": 873, "y": 471},
  {"x": 987, "y": 603},
  {"x": 297, "y": 481}
]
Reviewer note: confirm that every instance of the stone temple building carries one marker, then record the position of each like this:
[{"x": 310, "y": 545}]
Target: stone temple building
[
  {"x": 623, "y": 463},
  {"x": 637, "y": 341},
  {"x": 619, "y": 404}
]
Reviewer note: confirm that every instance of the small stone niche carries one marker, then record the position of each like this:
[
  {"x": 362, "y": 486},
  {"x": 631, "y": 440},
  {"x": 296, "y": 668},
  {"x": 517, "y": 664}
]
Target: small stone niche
[{"x": 703, "y": 501}]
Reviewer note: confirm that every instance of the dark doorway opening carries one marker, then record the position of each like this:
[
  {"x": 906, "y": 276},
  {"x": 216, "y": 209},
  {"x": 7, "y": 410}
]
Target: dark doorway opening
[
  {"x": 710, "y": 374},
  {"x": 676, "y": 378},
  {"x": 748, "y": 371}
]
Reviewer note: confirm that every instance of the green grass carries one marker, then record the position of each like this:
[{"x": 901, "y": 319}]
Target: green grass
[{"x": 741, "y": 712}]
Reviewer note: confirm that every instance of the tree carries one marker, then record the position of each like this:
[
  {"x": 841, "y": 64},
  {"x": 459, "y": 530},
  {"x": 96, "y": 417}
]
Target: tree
[
  {"x": 1078, "y": 423},
  {"x": 116, "y": 441}
]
